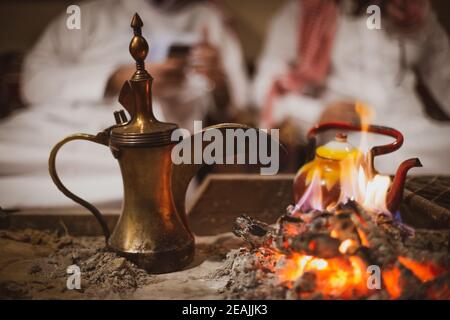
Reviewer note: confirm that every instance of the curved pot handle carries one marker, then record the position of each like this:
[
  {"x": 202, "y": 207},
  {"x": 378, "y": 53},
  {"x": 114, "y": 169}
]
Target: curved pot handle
[{"x": 101, "y": 138}]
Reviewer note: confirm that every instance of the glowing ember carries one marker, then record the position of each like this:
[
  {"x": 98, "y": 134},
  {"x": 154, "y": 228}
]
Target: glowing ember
[
  {"x": 391, "y": 279},
  {"x": 345, "y": 276},
  {"x": 336, "y": 277},
  {"x": 345, "y": 245},
  {"x": 424, "y": 271},
  {"x": 319, "y": 255}
]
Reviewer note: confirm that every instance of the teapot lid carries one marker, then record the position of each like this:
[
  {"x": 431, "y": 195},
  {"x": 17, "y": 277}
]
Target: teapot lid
[{"x": 337, "y": 149}]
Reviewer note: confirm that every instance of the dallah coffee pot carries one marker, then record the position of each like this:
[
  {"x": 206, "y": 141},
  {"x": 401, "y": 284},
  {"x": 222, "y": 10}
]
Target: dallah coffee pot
[{"x": 152, "y": 230}]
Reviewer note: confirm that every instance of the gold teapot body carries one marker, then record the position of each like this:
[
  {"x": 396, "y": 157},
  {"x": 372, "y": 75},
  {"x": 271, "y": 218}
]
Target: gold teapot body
[{"x": 326, "y": 170}]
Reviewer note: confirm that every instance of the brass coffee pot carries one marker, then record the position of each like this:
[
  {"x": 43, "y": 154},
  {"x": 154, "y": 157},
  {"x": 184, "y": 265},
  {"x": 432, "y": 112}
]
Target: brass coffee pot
[{"x": 152, "y": 230}]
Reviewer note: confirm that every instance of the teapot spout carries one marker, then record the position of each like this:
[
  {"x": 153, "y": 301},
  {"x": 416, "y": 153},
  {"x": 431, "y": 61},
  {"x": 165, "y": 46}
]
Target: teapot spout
[{"x": 395, "y": 194}]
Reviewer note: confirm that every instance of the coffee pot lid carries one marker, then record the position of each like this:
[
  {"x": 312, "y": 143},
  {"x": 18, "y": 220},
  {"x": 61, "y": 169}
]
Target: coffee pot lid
[{"x": 143, "y": 129}]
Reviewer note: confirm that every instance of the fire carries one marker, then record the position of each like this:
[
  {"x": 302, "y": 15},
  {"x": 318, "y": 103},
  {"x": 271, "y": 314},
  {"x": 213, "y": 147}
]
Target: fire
[
  {"x": 371, "y": 192},
  {"x": 313, "y": 195},
  {"x": 391, "y": 279},
  {"x": 425, "y": 271},
  {"x": 335, "y": 277},
  {"x": 346, "y": 276},
  {"x": 342, "y": 270},
  {"x": 345, "y": 245},
  {"x": 352, "y": 176},
  {"x": 366, "y": 116},
  {"x": 356, "y": 185}
]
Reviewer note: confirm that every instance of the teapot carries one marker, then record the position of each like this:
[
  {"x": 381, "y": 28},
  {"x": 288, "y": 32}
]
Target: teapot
[
  {"x": 326, "y": 164},
  {"x": 152, "y": 230}
]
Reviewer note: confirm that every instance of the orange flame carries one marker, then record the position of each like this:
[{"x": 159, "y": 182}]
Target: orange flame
[
  {"x": 345, "y": 245},
  {"x": 335, "y": 277},
  {"x": 425, "y": 271},
  {"x": 345, "y": 276},
  {"x": 353, "y": 176},
  {"x": 391, "y": 279},
  {"x": 356, "y": 185},
  {"x": 366, "y": 116}
]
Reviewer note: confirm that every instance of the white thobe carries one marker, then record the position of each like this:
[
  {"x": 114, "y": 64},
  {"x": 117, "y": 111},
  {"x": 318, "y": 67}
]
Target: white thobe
[
  {"x": 64, "y": 80},
  {"x": 365, "y": 66}
]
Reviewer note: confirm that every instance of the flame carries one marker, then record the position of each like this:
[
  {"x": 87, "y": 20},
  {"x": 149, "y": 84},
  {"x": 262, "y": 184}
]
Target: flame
[
  {"x": 425, "y": 271},
  {"x": 345, "y": 276},
  {"x": 345, "y": 245},
  {"x": 370, "y": 193},
  {"x": 355, "y": 184},
  {"x": 335, "y": 277},
  {"x": 363, "y": 237},
  {"x": 391, "y": 279},
  {"x": 313, "y": 194},
  {"x": 355, "y": 178},
  {"x": 366, "y": 116}
]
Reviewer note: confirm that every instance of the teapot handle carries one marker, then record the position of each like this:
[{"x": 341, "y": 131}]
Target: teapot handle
[
  {"x": 101, "y": 138},
  {"x": 377, "y": 150}
]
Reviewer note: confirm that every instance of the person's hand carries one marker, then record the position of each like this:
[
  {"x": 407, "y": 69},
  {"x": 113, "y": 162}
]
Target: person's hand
[
  {"x": 205, "y": 59},
  {"x": 167, "y": 75},
  {"x": 117, "y": 79},
  {"x": 408, "y": 14},
  {"x": 340, "y": 111}
]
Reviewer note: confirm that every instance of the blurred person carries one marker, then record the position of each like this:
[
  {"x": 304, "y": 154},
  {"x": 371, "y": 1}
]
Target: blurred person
[
  {"x": 71, "y": 79},
  {"x": 320, "y": 57},
  {"x": 92, "y": 63}
]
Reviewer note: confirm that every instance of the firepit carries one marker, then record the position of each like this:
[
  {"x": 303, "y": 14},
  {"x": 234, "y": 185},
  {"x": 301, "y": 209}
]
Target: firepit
[
  {"x": 347, "y": 253},
  {"x": 33, "y": 264},
  {"x": 344, "y": 238}
]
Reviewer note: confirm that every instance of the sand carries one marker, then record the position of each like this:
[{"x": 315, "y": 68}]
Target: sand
[{"x": 33, "y": 265}]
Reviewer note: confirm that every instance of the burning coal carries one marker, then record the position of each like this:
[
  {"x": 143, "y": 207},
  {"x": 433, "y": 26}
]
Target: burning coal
[
  {"x": 347, "y": 253},
  {"x": 341, "y": 240}
]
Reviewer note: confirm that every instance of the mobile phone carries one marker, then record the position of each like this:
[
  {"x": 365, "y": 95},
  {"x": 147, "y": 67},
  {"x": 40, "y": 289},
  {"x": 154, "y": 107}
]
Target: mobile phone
[{"x": 179, "y": 51}]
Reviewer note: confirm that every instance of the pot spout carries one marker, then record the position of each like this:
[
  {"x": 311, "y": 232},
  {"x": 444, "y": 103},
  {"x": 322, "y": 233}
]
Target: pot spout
[{"x": 395, "y": 194}]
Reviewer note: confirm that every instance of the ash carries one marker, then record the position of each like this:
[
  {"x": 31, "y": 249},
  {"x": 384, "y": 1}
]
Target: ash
[
  {"x": 415, "y": 264},
  {"x": 104, "y": 274}
]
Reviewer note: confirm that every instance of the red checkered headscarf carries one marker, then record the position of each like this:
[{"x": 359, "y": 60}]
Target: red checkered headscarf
[{"x": 317, "y": 25}]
